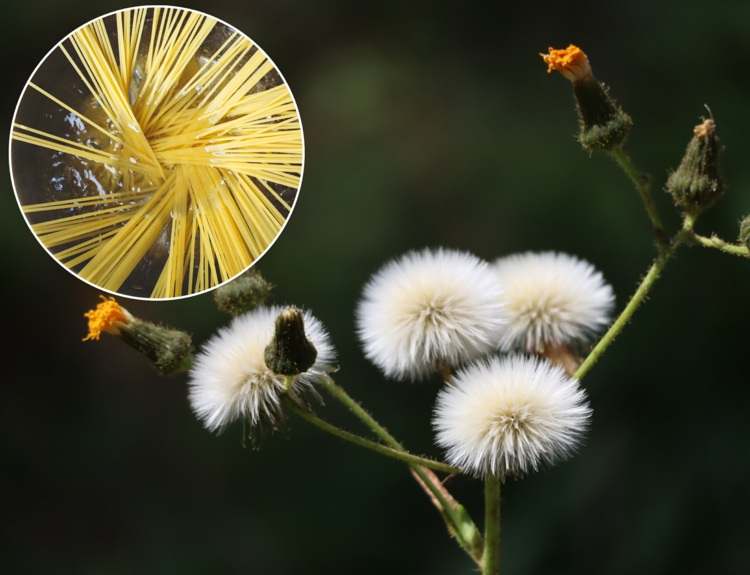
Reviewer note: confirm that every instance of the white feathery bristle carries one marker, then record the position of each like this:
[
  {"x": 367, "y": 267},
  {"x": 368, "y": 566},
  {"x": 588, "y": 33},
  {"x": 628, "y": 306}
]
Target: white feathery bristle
[
  {"x": 428, "y": 308},
  {"x": 509, "y": 416},
  {"x": 552, "y": 299},
  {"x": 229, "y": 378}
]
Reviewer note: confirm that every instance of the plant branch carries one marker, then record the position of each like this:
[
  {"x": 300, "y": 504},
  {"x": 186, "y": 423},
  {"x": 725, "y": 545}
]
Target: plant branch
[
  {"x": 465, "y": 532},
  {"x": 353, "y": 406},
  {"x": 665, "y": 253},
  {"x": 362, "y": 442},
  {"x": 643, "y": 185},
  {"x": 716, "y": 242},
  {"x": 491, "y": 557},
  {"x": 456, "y": 517},
  {"x": 667, "y": 248}
]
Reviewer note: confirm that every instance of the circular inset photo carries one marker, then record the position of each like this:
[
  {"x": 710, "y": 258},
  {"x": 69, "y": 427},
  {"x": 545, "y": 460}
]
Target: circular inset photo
[{"x": 156, "y": 152}]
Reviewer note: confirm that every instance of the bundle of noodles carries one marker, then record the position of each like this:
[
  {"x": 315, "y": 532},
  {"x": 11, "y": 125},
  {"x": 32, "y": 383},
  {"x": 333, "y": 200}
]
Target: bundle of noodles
[{"x": 187, "y": 140}]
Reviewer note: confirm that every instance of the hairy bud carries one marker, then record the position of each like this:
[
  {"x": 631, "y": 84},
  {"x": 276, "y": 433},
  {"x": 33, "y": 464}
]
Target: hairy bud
[
  {"x": 290, "y": 352},
  {"x": 603, "y": 124},
  {"x": 696, "y": 185},
  {"x": 170, "y": 351},
  {"x": 243, "y": 294}
]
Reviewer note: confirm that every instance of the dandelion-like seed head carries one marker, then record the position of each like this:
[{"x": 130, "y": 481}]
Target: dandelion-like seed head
[
  {"x": 510, "y": 416},
  {"x": 230, "y": 379},
  {"x": 429, "y": 309},
  {"x": 108, "y": 316},
  {"x": 552, "y": 299},
  {"x": 571, "y": 62}
]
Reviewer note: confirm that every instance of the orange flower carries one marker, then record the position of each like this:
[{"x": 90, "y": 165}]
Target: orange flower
[
  {"x": 570, "y": 62},
  {"x": 105, "y": 317},
  {"x": 170, "y": 351}
]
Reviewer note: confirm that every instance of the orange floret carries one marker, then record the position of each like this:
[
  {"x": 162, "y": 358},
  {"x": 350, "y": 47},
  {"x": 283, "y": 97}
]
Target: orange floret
[
  {"x": 704, "y": 129},
  {"x": 570, "y": 62},
  {"x": 104, "y": 317}
]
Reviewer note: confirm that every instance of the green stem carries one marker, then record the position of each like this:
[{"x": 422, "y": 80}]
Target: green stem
[
  {"x": 341, "y": 395},
  {"x": 459, "y": 522},
  {"x": 643, "y": 185},
  {"x": 665, "y": 253},
  {"x": 716, "y": 242},
  {"x": 491, "y": 557},
  {"x": 362, "y": 442}
]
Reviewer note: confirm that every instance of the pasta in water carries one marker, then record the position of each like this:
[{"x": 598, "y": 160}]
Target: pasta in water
[{"x": 173, "y": 162}]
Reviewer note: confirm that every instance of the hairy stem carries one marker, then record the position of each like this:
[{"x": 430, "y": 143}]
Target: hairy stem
[
  {"x": 456, "y": 517},
  {"x": 491, "y": 557},
  {"x": 624, "y": 318},
  {"x": 666, "y": 250},
  {"x": 362, "y": 442},
  {"x": 716, "y": 242},
  {"x": 643, "y": 185},
  {"x": 665, "y": 253},
  {"x": 353, "y": 406}
]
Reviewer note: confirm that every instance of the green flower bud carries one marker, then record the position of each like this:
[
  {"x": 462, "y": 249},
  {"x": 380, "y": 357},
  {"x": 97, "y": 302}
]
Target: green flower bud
[
  {"x": 243, "y": 294},
  {"x": 696, "y": 184},
  {"x": 290, "y": 352},
  {"x": 170, "y": 351},
  {"x": 602, "y": 122}
]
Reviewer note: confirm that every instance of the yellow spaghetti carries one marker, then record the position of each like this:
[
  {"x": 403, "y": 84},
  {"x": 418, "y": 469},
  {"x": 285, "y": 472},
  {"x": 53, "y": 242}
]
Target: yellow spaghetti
[{"x": 184, "y": 141}]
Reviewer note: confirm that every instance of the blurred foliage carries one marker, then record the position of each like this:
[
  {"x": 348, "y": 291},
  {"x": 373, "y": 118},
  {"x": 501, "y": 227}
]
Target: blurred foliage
[{"x": 425, "y": 124}]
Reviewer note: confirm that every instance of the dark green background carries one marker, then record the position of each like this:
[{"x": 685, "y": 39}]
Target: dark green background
[{"x": 426, "y": 124}]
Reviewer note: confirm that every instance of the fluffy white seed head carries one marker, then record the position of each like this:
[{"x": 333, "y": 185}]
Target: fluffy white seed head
[
  {"x": 552, "y": 299},
  {"x": 509, "y": 416},
  {"x": 230, "y": 380},
  {"x": 429, "y": 308}
]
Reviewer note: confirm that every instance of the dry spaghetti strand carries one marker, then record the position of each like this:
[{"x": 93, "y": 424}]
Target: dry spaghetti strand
[{"x": 196, "y": 145}]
